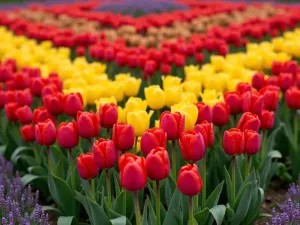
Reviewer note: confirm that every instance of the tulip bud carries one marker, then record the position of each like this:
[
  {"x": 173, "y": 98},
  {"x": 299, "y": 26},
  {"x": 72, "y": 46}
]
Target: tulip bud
[
  {"x": 267, "y": 119},
  {"x": 271, "y": 100},
  {"x": 243, "y": 88},
  {"x": 123, "y": 136},
  {"x": 10, "y": 111},
  {"x": 28, "y": 133},
  {"x": 253, "y": 102},
  {"x": 88, "y": 124},
  {"x": 165, "y": 69},
  {"x": 10, "y": 96},
  {"x": 155, "y": 97},
  {"x": 72, "y": 104},
  {"x": 204, "y": 112},
  {"x": 252, "y": 142},
  {"x": 54, "y": 103},
  {"x": 189, "y": 181},
  {"x": 234, "y": 100},
  {"x": 67, "y": 135},
  {"x": 272, "y": 80},
  {"x": 105, "y": 153},
  {"x": 220, "y": 114},
  {"x": 207, "y": 130},
  {"x": 36, "y": 85},
  {"x": 292, "y": 98},
  {"x": 133, "y": 172},
  {"x": 150, "y": 66},
  {"x": 24, "y": 97},
  {"x": 108, "y": 115},
  {"x": 49, "y": 89},
  {"x": 192, "y": 146},
  {"x": 87, "y": 168},
  {"x": 285, "y": 81},
  {"x": 140, "y": 120},
  {"x": 152, "y": 138},
  {"x": 41, "y": 114},
  {"x": 21, "y": 80},
  {"x": 80, "y": 51},
  {"x": 24, "y": 114},
  {"x": 172, "y": 124},
  {"x": 258, "y": 81},
  {"x": 131, "y": 86},
  {"x": 233, "y": 142},
  {"x": 249, "y": 121},
  {"x": 158, "y": 164},
  {"x": 276, "y": 67},
  {"x": 45, "y": 133},
  {"x": 190, "y": 112}
]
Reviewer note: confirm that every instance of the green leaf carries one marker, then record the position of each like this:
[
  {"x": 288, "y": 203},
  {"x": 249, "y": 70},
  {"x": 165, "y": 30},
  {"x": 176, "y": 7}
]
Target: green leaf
[
  {"x": 118, "y": 203},
  {"x": 218, "y": 213},
  {"x": 65, "y": 220},
  {"x": 174, "y": 209},
  {"x": 145, "y": 213},
  {"x": 115, "y": 215},
  {"x": 62, "y": 194},
  {"x": 229, "y": 214},
  {"x": 275, "y": 154},
  {"x": 228, "y": 185},
  {"x": 2, "y": 149},
  {"x": 254, "y": 208},
  {"x": 29, "y": 178},
  {"x": 201, "y": 217},
  {"x": 170, "y": 186},
  {"x": 214, "y": 197},
  {"x": 37, "y": 170},
  {"x": 26, "y": 158},
  {"x": 289, "y": 134},
  {"x": 240, "y": 194},
  {"x": 17, "y": 152},
  {"x": 116, "y": 181},
  {"x": 60, "y": 169},
  {"x": 271, "y": 139},
  {"x": 118, "y": 221},
  {"x": 48, "y": 208}
]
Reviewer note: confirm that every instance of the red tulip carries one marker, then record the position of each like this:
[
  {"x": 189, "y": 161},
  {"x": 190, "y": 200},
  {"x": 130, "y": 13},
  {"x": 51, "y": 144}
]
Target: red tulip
[
  {"x": 292, "y": 98},
  {"x": 207, "y": 130},
  {"x": 165, "y": 69},
  {"x": 233, "y": 142},
  {"x": 253, "y": 102},
  {"x": 267, "y": 119},
  {"x": 220, "y": 114},
  {"x": 276, "y": 67},
  {"x": 28, "y": 133},
  {"x": 36, "y": 85},
  {"x": 105, "y": 153},
  {"x": 150, "y": 67},
  {"x": 204, "y": 112},
  {"x": 88, "y": 124},
  {"x": 21, "y": 80},
  {"x": 249, "y": 121},
  {"x": 24, "y": 97},
  {"x": 172, "y": 124},
  {"x": 258, "y": 81},
  {"x": 123, "y": 136},
  {"x": 285, "y": 81},
  {"x": 10, "y": 96},
  {"x": 54, "y": 80},
  {"x": 45, "y": 133},
  {"x": 67, "y": 135},
  {"x": 158, "y": 164},
  {"x": 5, "y": 74},
  {"x": 271, "y": 100},
  {"x": 41, "y": 114},
  {"x": 72, "y": 104},
  {"x": 49, "y": 89},
  {"x": 252, "y": 142},
  {"x": 234, "y": 100},
  {"x": 272, "y": 80},
  {"x": 2, "y": 99},
  {"x": 10, "y": 111},
  {"x": 80, "y": 51},
  {"x": 243, "y": 88},
  {"x": 192, "y": 146},
  {"x": 189, "y": 181},
  {"x": 108, "y": 114},
  {"x": 87, "y": 168},
  {"x": 133, "y": 172},
  {"x": 54, "y": 103},
  {"x": 199, "y": 57},
  {"x": 24, "y": 114},
  {"x": 152, "y": 138}
]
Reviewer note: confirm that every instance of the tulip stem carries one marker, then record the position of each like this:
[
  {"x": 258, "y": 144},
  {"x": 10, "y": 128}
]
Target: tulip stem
[
  {"x": 264, "y": 142},
  {"x": 158, "y": 114},
  {"x": 136, "y": 146},
  {"x": 220, "y": 135},
  {"x": 92, "y": 185},
  {"x": 191, "y": 216},
  {"x": 204, "y": 182},
  {"x": 137, "y": 208},
  {"x": 248, "y": 165},
  {"x": 107, "y": 133},
  {"x": 108, "y": 189},
  {"x": 124, "y": 202},
  {"x": 49, "y": 159},
  {"x": 72, "y": 169},
  {"x": 296, "y": 128},
  {"x": 36, "y": 154},
  {"x": 173, "y": 160},
  {"x": 233, "y": 180},
  {"x": 157, "y": 203}
]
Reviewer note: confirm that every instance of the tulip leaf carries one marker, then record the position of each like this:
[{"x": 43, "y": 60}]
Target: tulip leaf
[
  {"x": 229, "y": 214},
  {"x": 26, "y": 158},
  {"x": 29, "y": 178},
  {"x": 124, "y": 199},
  {"x": 37, "y": 170},
  {"x": 153, "y": 201},
  {"x": 66, "y": 220},
  {"x": 152, "y": 216},
  {"x": 264, "y": 171},
  {"x": 201, "y": 217},
  {"x": 271, "y": 139},
  {"x": 228, "y": 186},
  {"x": 60, "y": 170},
  {"x": 17, "y": 152},
  {"x": 214, "y": 197},
  {"x": 101, "y": 182},
  {"x": 145, "y": 213},
  {"x": 240, "y": 194},
  {"x": 95, "y": 212},
  {"x": 115, "y": 215},
  {"x": 218, "y": 213},
  {"x": 118, "y": 221},
  {"x": 174, "y": 209},
  {"x": 62, "y": 194},
  {"x": 254, "y": 209},
  {"x": 56, "y": 155},
  {"x": 48, "y": 208},
  {"x": 116, "y": 182},
  {"x": 170, "y": 186},
  {"x": 275, "y": 154},
  {"x": 289, "y": 134}
]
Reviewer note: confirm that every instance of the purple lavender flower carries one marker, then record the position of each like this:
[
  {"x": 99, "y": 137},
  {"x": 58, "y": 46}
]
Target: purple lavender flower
[{"x": 18, "y": 202}]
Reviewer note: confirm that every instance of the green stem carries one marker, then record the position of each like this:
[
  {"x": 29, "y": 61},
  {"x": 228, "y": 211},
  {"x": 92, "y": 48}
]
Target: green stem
[
  {"x": 108, "y": 190},
  {"x": 135, "y": 147},
  {"x": 92, "y": 185},
  {"x": 248, "y": 165},
  {"x": 137, "y": 208},
  {"x": 36, "y": 154},
  {"x": 191, "y": 217},
  {"x": 264, "y": 142},
  {"x": 220, "y": 135},
  {"x": 72, "y": 169},
  {"x": 124, "y": 203},
  {"x": 204, "y": 182},
  {"x": 158, "y": 114},
  {"x": 157, "y": 203},
  {"x": 296, "y": 128},
  {"x": 49, "y": 159},
  {"x": 174, "y": 160},
  {"x": 233, "y": 180},
  {"x": 107, "y": 133}
]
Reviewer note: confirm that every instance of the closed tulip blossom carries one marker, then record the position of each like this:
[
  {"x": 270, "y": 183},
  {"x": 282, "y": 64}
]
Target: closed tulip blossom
[
  {"x": 140, "y": 120},
  {"x": 152, "y": 138},
  {"x": 10, "y": 111},
  {"x": 292, "y": 98},
  {"x": 285, "y": 81},
  {"x": 105, "y": 153},
  {"x": 172, "y": 124},
  {"x": 88, "y": 124},
  {"x": 234, "y": 100},
  {"x": 41, "y": 114},
  {"x": 267, "y": 119},
  {"x": 36, "y": 85},
  {"x": 67, "y": 135},
  {"x": 252, "y": 142},
  {"x": 190, "y": 112},
  {"x": 189, "y": 181},
  {"x": 204, "y": 112},
  {"x": 28, "y": 133},
  {"x": 24, "y": 97},
  {"x": 258, "y": 81},
  {"x": 155, "y": 97},
  {"x": 243, "y": 88},
  {"x": 123, "y": 136},
  {"x": 220, "y": 114},
  {"x": 253, "y": 102},
  {"x": 158, "y": 164},
  {"x": 131, "y": 86},
  {"x": 45, "y": 133},
  {"x": 72, "y": 103},
  {"x": 87, "y": 168},
  {"x": 24, "y": 114},
  {"x": 249, "y": 121},
  {"x": 207, "y": 131},
  {"x": 108, "y": 115},
  {"x": 54, "y": 103},
  {"x": 271, "y": 99},
  {"x": 233, "y": 142}
]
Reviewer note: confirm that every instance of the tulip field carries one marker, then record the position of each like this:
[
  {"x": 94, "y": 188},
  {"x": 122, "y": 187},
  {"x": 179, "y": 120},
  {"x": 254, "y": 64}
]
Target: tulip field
[{"x": 149, "y": 112}]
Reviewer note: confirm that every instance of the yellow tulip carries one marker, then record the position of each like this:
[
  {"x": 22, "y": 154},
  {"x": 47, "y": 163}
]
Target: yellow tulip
[
  {"x": 99, "y": 68},
  {"x": 170, "y": 81},
  {"x": 115, "y": 89},
  {"x": 135, "y": 103},
  {"x": 190, "y": 111},
  {"x": 122, "y": 76},
  {"x": 131, "y": 86},
  {"x": 103, "y": 101},
  {"x": 218, "y": 62},
  {"x": 253, "y": 61},
  {"x": 198, "y": 76},
  {"x": 192, "y": 86},
  {"x": 122, "y": 114},
  {"x": 208, "y": 68},
  {"x": 156, "y": 123},
  {"x": 155, "y": 97},
  {"x": 231, "y": 85},
  {"x": 140, "y": 120},
  {"x": 282, "y": 57},
  {"x": 191, "y": 68},
  {"x": 173, "y": 95},
  {"x": 94, "y": 92},
  {"x": 210, "y": 94},
  {"x": 188, "y": 97}
]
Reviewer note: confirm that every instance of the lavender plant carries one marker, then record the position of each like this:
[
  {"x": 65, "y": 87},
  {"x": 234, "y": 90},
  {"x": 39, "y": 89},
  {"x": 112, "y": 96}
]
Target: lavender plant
[
  {"x": 290, "y": 210},
  {"x": 18, "y": 205}
]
